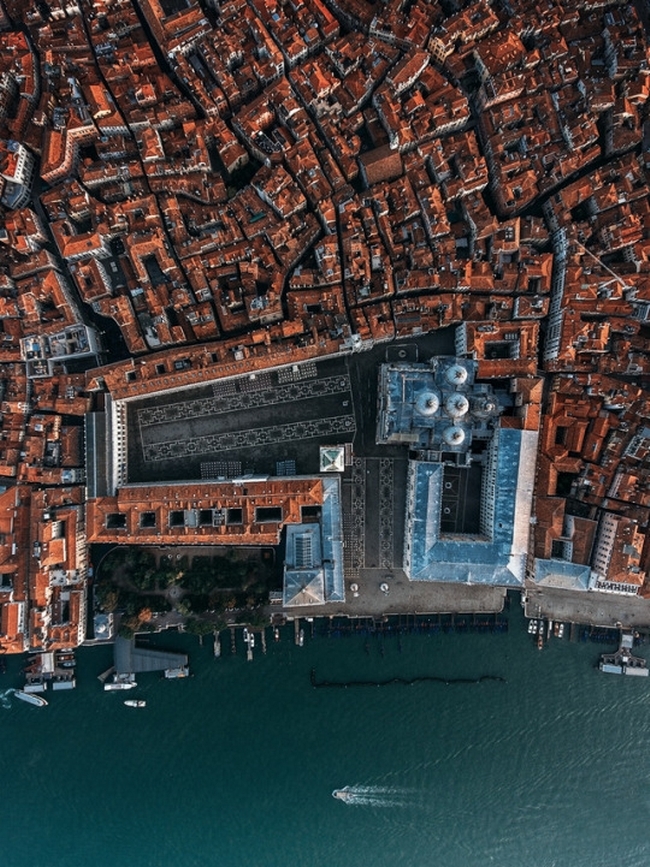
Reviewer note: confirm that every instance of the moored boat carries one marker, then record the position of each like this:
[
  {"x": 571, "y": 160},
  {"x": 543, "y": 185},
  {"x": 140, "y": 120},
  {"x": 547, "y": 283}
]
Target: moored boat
[
  {"x": 121, "y": 681},
  {"x": 30, "y": 698}
]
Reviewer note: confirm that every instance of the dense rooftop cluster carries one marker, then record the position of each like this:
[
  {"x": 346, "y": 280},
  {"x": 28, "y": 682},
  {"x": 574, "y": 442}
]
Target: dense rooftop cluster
[{"x": 248, "y": 184}]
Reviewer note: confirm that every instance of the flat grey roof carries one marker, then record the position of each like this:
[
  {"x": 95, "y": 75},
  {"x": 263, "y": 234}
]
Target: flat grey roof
[
  {"x": 314, "y": 575},
  {"x": 468, "y": 559},
  {"x": 562, "y": 574},
  {"x": 96, "y": 448},
  {"x": 130, "y": 659}
]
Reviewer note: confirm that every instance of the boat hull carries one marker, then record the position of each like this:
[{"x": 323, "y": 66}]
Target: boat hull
[{"x": 30, "y": 698}]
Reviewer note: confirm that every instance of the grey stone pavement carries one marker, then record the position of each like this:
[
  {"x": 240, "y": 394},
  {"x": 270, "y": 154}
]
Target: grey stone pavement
[
  {"x": 373, "y": 489},
  {"x": 404, "y": 597},
  {"x": 593, "y": 608}
]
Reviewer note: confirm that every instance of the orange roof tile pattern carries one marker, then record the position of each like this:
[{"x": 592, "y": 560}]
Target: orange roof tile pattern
[
  {"x": 591, "y": 470},
  {"x": 330, "y": 175},
  {"x": 246, "y": 513}
]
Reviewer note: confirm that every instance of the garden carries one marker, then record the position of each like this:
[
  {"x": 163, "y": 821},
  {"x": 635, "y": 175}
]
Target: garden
[{"x": 202, "y": 590}]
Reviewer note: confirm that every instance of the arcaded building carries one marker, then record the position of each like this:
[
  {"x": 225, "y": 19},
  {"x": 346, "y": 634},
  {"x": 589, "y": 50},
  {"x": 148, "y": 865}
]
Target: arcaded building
[{"x": 471, "y": 472}]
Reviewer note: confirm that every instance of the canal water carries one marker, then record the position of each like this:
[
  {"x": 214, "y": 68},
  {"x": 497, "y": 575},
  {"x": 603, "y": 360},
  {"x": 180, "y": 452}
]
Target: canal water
[{"x": 236, "y": 765}]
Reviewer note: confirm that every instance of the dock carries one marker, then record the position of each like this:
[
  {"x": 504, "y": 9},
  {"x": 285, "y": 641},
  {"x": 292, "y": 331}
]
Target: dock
[
  {"x": 623, "y": 661},
  {"x": 103, "y": 677}
]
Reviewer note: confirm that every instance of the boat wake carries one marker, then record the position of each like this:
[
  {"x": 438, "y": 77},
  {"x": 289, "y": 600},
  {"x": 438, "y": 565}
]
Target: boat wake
[{"x": 374, "y": 796}]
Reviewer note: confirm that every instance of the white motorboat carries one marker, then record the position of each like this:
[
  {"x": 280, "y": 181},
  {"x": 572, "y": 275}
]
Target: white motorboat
[{"x": 30, "y": 698}]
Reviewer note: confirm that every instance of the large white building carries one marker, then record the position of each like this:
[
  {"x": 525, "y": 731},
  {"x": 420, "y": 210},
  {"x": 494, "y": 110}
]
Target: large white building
[
  {"x": 470, "y": 476},
  {"x": 17, "y": 167},
  {"x": 313, "y": 570}
]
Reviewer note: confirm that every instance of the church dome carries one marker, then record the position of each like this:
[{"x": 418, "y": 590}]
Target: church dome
[
  {"x": 456, "y": 405},
  {"x": 453, "y": 436},
  {"x": 485, "y": 406},
  {"x": 427, "y": 403},
  {"x": 456, "y": 374}
]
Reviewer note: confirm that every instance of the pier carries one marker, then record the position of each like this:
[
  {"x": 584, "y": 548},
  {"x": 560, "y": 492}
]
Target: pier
[
  {"x": 411, "y": 624},
  {"x": 403, "y": 681},
  {"x": 623, "y": 661}
]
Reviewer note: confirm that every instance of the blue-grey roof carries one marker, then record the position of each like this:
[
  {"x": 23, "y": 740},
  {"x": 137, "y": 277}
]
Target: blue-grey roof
[
  {"x": 434, "y": 404},
  {"x": 332, "y": 538},
  {"x": 130, "y": 659},
  {"x": 314, "y": 554},
  {"x": 485, "y": 559},
  {"x": 562, "y": 574},
  {"x": 96, "y": 439}
]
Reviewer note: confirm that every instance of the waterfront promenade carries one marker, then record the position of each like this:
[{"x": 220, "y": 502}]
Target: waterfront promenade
[
  {"x": 590, "y": 608},
  {"x": 405, "y": 597}
]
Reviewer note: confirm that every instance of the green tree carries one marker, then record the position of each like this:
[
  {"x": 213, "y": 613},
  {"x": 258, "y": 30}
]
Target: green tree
[
  {"x": 198, "y": 627},
  {"x": 184, "y": 607},
  {"x": 109, "y": 600}
]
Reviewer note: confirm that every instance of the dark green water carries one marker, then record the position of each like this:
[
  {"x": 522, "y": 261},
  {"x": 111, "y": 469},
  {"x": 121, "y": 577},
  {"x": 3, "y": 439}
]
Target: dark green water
[{"x": 236, "y": 765}]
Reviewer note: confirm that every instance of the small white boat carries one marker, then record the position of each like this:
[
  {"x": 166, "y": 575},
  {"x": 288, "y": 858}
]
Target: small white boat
[
  {"x": 560, "y": 631},
  {"x": 343, "y": 794},
  {"x": 121, "y": 681},
  {"x": 30, "y": 698},
  {"x": 532, "y": 627},
  {"x": 135, "y": 702}
]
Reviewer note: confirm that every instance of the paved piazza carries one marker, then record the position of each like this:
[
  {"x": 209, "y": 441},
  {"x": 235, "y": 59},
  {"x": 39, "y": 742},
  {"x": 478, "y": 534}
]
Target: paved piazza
[
  {"x": 274, "y": 422},
  {"x": 250, "y": 397},
  {"x": 256, "y": 421},
  {"x": 249, "y": 438}
]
